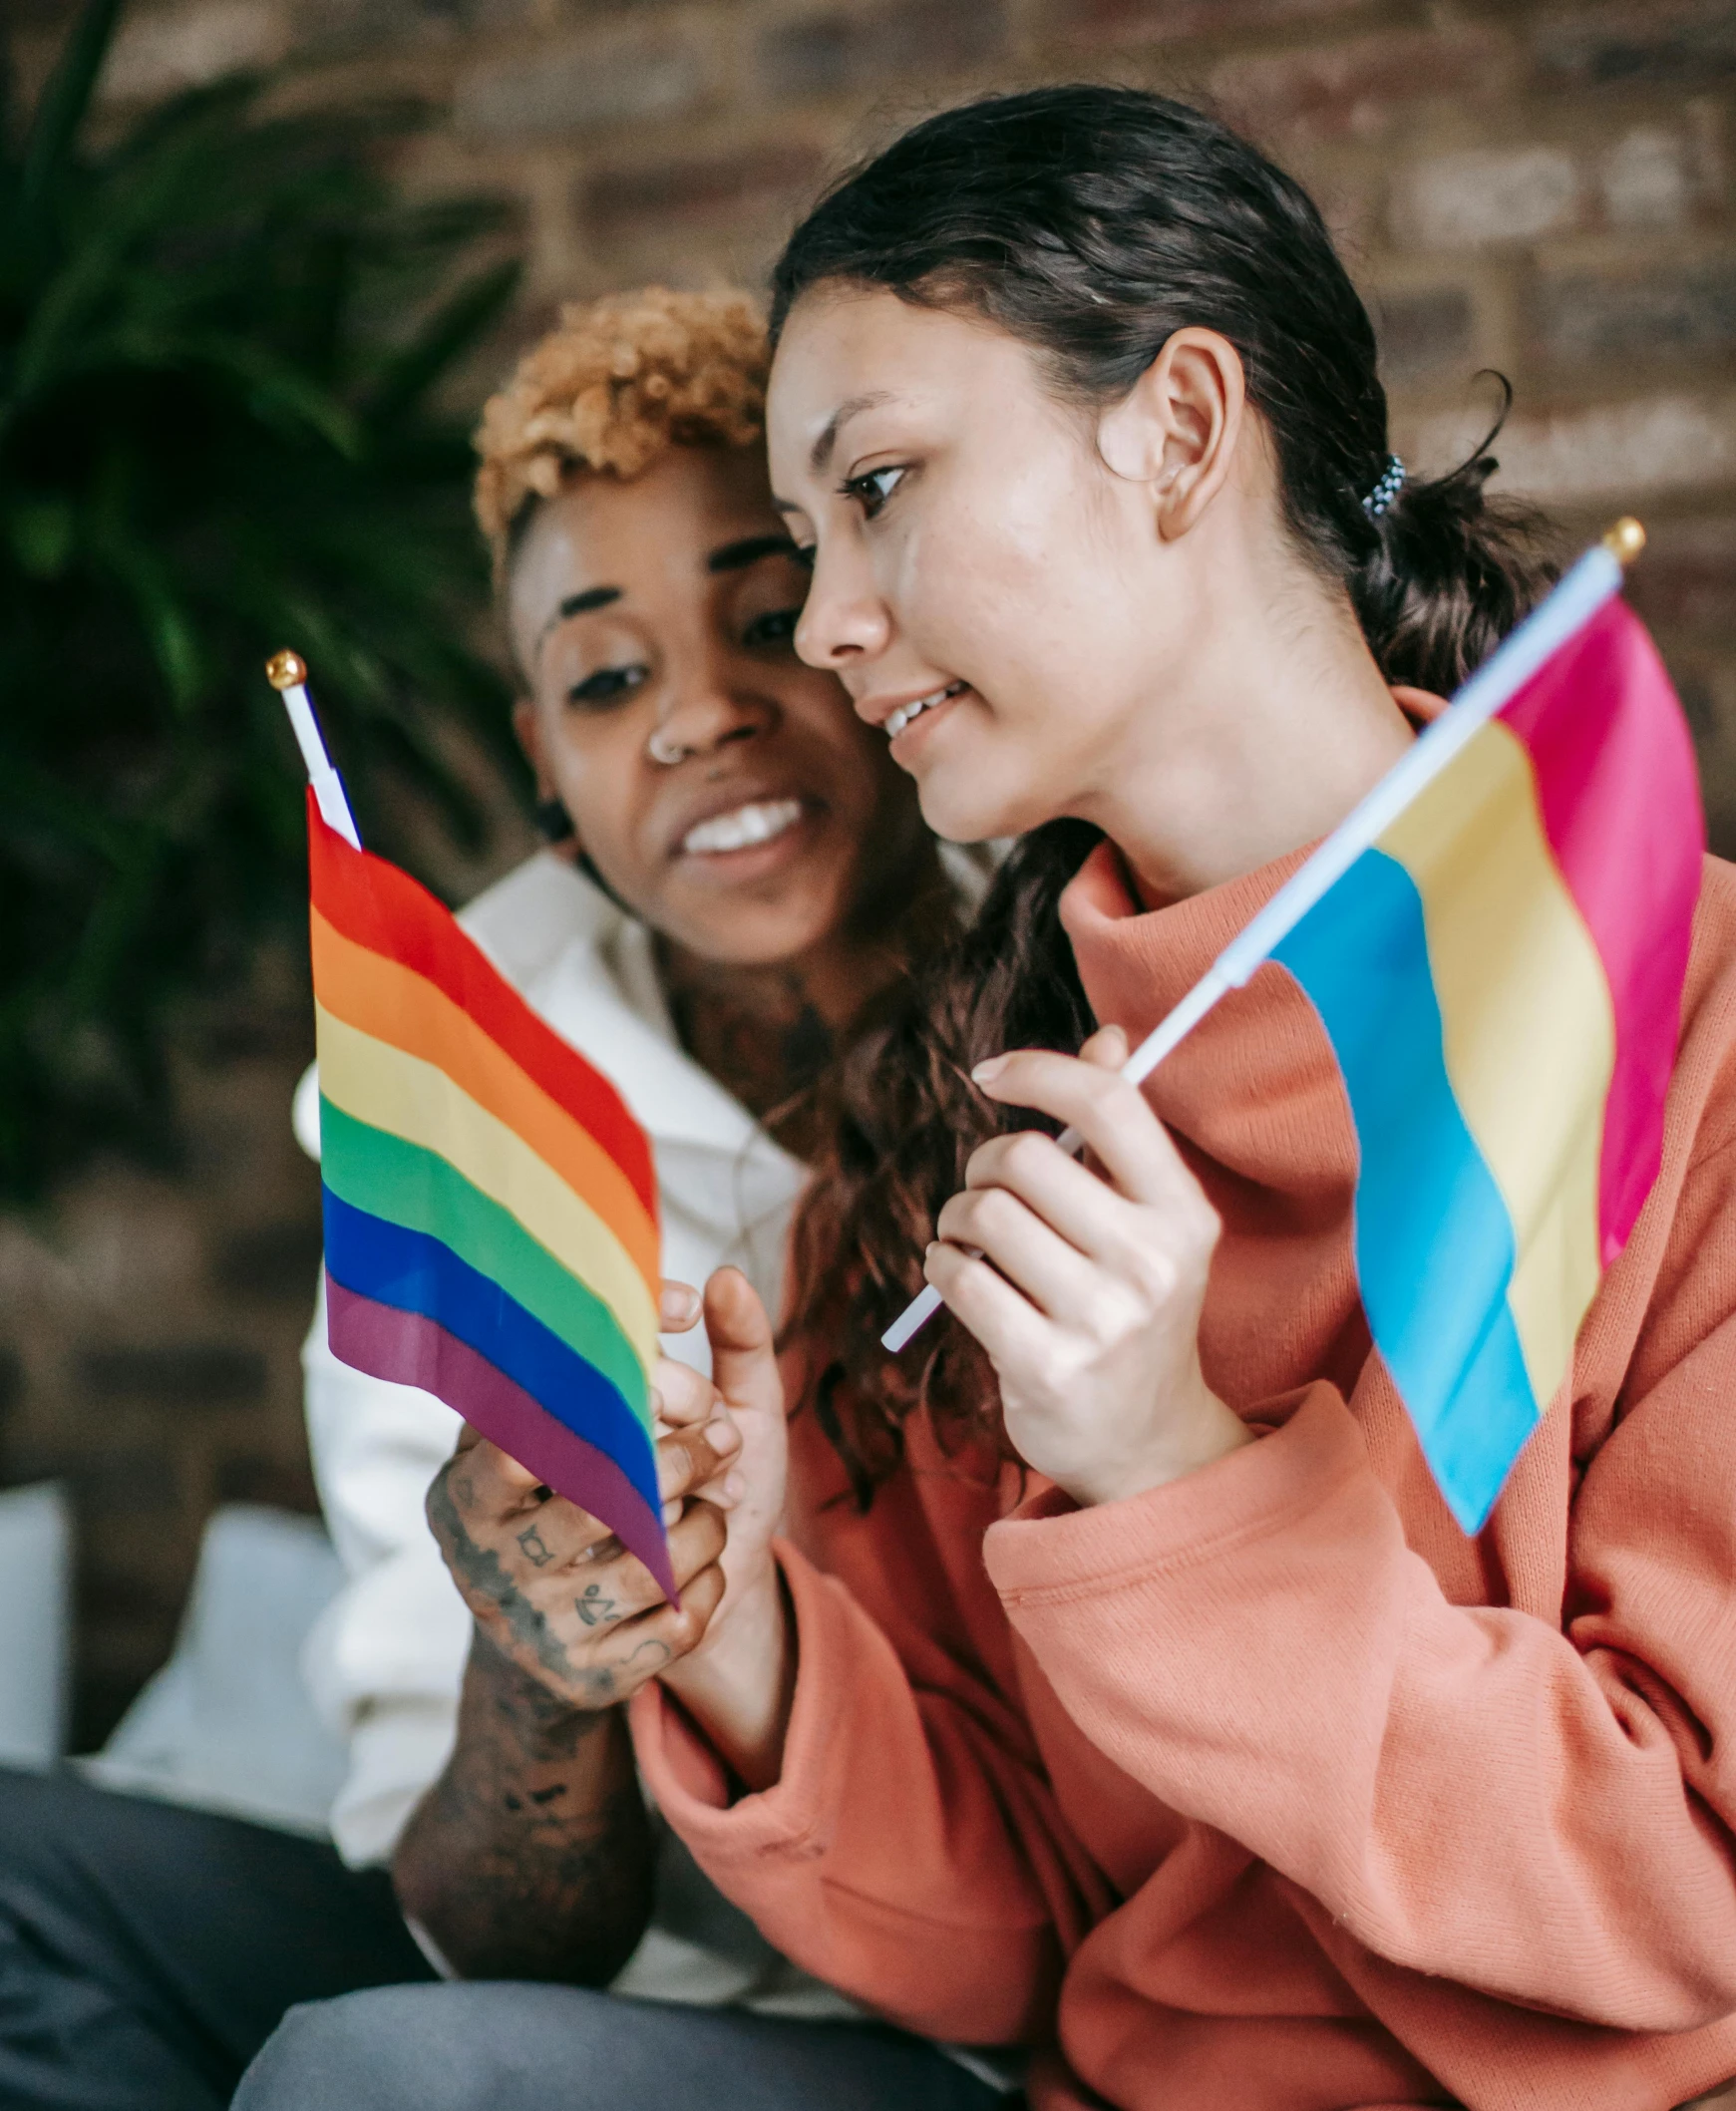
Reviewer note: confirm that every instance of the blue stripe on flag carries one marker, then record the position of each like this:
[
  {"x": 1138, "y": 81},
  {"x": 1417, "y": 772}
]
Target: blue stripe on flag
[
  {"x": 1434, "y": 1242},
  {"x": 415, "y": 1274}
]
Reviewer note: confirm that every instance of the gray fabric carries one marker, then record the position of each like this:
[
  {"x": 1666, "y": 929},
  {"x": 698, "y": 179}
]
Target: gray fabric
[
  {"x": 482, "y": 2046},
  {"x": 146, "y": 1952}
]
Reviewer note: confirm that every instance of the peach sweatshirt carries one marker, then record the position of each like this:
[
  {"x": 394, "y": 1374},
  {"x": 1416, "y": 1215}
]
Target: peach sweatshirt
[{"x": 1267, "y": 1790}]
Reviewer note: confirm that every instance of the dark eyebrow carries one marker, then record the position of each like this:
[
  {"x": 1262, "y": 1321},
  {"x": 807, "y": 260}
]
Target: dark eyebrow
[
  {"x": 734, "y": 556},
  {"x": 577, "y": 604},
  {"x": 582, "y": 603},
  {"x": 821, "y": 452}
]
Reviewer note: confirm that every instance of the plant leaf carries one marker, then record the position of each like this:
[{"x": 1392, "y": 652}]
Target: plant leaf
[
  {"x": 64, "y": 102},
  {"x": 449, "y": 333}
]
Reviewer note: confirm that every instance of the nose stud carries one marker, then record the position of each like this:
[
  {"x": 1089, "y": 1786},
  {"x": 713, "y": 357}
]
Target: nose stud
[{"x": 662, "y": 749}]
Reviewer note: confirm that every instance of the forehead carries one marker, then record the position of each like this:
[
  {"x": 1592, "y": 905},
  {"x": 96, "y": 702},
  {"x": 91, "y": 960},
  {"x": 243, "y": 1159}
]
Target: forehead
[
  {"x": 846, "y": 348},
  {"x": 604, "y": 530},
  {"x": 685, "y": 490}
]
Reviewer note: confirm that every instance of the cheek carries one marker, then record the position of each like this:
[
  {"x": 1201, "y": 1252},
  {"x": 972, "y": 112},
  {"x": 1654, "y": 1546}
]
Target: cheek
[
  {"x": 597, "y": 771},
  {"x": 999, "y": 597},
  {"x": 845, "y": 759}
]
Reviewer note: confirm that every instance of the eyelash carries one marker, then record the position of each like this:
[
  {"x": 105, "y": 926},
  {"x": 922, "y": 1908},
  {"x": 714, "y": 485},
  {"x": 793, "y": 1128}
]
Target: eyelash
[
  {"x": 610, "y": 686},
  {"x": 760, "y": 635},
  {"x": 863, "y": 488},
  {"x": 607, "y": 687}
]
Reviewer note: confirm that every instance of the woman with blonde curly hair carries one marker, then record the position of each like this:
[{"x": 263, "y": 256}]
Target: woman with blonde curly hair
[{"x": 736, "y": 880}]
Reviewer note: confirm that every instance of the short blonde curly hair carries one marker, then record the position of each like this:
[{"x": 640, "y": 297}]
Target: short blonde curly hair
[{"x": 613, "y": 385}]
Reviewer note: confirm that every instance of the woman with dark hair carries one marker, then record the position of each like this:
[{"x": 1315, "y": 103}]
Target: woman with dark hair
[{"x": 1125, "y": 1689}]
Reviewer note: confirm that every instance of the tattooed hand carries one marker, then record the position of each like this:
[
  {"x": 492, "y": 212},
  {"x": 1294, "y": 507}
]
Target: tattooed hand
[{"x": 552, "y": 1588}]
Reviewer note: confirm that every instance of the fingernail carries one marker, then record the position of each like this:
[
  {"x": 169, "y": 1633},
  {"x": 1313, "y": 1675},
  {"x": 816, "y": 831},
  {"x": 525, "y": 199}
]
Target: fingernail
[
  {"x": 679, "y": 1301},
  {"x": 671, "y": 1513},
  {"x": 723, "y": 1436},
  {"x": 735, "y": 1487},
  {"x": 989, "y": 1070}
]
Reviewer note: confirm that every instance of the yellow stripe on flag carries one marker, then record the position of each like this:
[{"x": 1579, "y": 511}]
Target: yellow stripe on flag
[
  {"x": 393, "y": 1004},
  {"x": 1529, "y": 1031},
  {"x": 406, "y": 1097}
]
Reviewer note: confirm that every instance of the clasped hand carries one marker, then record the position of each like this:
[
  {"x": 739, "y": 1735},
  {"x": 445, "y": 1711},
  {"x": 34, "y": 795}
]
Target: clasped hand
[
  {"x": 550, "y": 1586},
  {"x": 1086, "y": 1289}
]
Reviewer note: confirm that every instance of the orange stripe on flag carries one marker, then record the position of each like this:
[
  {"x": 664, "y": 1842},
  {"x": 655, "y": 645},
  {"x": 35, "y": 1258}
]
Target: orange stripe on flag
[
  {"x": 391, "y": 1003},
  {"x": 386, "y": 912}
]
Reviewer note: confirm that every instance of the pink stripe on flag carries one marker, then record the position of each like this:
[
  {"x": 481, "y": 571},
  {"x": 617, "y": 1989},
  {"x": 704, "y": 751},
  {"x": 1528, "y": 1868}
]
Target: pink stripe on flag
[
  {"x": 1620, "y": 795},
  {"x": 409, "y": 1348}
]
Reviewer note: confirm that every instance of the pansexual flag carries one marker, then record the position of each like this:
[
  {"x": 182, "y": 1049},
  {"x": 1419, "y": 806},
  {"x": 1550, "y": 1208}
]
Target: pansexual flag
[
  {"x": 491, "y": 1212},
  {"x": 1500, "y": 973}
]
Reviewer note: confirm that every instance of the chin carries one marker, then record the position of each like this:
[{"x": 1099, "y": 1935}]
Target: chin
[
  {"x": 962, "y": 811},
  {"x": 748, "y": 938}
]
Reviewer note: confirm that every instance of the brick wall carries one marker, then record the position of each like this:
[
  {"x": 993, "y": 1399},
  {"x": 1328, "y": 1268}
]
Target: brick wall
[
  {"x": 1544, "y": 188},
  {"x": 150, "y": 1328}
]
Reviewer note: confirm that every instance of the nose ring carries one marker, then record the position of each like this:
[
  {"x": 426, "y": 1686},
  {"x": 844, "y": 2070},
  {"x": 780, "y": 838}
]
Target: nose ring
[{"x": 662, "y": 749}]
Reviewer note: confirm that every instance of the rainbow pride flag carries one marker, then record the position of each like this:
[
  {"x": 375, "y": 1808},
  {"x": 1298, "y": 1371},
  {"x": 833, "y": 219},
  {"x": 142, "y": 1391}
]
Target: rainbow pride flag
[
  {"x": 490, "y": 1210},
  {"x": 1501, "y": 974}
]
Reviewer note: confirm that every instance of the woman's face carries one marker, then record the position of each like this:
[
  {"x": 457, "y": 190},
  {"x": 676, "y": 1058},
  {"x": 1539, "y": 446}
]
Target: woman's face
[
  {"x": 972, "y": 552},
  {"x": 724, "y": 790}
]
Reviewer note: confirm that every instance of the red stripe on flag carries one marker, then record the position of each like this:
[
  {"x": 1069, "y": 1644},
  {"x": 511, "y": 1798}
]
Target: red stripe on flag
[
  {"x": 1618, "y": 790},
  {"x": 382, "y": 908}
]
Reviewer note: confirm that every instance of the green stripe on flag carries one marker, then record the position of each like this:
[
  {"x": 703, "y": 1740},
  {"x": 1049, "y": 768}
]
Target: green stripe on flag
[{"x": 413, "y": 1187}]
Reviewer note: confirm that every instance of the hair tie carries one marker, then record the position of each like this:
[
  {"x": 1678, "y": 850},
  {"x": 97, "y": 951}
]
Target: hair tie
[{"x": 1386, "y": 491}]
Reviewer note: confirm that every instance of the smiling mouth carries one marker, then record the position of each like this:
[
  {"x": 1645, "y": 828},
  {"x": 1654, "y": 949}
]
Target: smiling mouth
[
  {"x": 906, "y": 713},
  {"x": 741, "y": 827}
]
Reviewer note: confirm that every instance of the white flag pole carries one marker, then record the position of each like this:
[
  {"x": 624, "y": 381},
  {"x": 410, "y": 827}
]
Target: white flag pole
[
  {"x": 1574, "y": 600},
  {"x": 287, "y": 674}
]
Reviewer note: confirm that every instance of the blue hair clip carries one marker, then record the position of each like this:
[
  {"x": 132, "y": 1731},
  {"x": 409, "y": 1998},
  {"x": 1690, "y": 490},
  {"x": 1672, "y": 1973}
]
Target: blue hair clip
[{"x": 1387, "y": 490}]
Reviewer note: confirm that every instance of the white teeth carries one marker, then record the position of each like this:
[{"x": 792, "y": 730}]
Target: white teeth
[
  {"x": 906, "y": 712},
  {"x": 758, "y": 822}
]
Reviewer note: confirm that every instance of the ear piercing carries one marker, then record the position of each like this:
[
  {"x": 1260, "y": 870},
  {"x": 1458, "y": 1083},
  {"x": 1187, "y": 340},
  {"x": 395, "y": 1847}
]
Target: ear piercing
[{"x": 553, "y": 823}]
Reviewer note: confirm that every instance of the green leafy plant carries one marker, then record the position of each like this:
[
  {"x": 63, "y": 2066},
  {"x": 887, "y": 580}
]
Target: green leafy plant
[{"x": 222, "y": 341}]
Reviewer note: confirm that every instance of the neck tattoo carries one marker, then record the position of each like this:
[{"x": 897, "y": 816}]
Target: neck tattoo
[{"x": 762, "y": 1037}]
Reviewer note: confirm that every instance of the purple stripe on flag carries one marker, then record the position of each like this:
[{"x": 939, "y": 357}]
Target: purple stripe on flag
[{"x": 409, "y": 1348}]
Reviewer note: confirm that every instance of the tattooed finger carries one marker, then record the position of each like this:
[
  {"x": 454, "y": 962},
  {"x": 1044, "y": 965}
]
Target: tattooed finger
[
  {"x": 533, "y": 1547},
  {"x": 649, "y": 1644},
  {"x": 596, "y": 1608}
]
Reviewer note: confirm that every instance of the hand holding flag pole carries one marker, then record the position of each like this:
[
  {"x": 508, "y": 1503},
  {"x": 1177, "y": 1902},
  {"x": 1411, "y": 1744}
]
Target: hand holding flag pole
[
  {"x": 1495, "y": 941},
  {"x": 489, "y": 1202}
]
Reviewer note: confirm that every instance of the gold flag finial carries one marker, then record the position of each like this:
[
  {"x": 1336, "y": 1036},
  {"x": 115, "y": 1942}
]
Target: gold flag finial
[
  {"x": 1625, "y": 540},
  {"x": 285, "y": 669}
]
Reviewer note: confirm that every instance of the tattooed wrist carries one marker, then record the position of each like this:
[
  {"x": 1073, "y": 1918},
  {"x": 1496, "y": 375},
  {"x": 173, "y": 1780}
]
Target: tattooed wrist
[
  {"x": 531, "y": 1856},
  {"x": 537, "y": 1719}
]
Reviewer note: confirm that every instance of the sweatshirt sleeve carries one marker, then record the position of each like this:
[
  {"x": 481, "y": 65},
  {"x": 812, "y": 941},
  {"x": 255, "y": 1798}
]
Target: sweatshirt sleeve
[
  {"x": 1538, "y": 1812},
  {"x": 909, "y": 1855}
]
